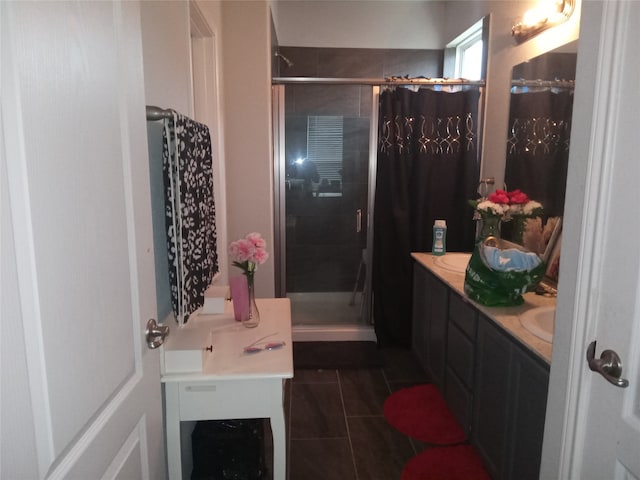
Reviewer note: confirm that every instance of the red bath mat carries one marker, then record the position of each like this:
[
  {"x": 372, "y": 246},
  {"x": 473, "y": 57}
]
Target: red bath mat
[
  {"x": 446, "y": 463},
  {"x": 421, "y": 413}
]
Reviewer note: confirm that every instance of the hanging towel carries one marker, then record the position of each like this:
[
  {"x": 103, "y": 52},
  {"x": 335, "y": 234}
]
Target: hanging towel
[{"x": 189, "y": 212}]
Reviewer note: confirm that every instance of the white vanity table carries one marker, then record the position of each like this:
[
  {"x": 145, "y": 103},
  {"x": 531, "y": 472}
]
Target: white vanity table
[{"x": 225, "y": 382}]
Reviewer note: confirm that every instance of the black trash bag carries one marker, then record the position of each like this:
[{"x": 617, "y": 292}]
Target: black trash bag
[
  {"x": 495, "y": 288},
  {"x": 228, "y": 450}
]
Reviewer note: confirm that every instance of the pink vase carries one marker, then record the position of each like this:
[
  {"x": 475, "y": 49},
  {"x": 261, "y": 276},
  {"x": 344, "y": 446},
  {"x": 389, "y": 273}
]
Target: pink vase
[
  {"x": 245, "y": 309},
  {"x": 239, "y": 296}
]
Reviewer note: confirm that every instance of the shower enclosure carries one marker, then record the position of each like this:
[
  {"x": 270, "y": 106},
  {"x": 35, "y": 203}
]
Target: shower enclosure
[
  {"x": 324, "y": 174},
  {"x": 326, "y": 155}
]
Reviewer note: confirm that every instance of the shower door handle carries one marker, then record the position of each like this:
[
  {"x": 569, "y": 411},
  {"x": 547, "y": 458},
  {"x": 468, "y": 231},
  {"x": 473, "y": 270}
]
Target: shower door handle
[{"x": 358, "y": 220}]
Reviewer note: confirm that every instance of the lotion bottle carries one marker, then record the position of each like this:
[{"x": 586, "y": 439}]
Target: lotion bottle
[{"x": 439, "y": 238}]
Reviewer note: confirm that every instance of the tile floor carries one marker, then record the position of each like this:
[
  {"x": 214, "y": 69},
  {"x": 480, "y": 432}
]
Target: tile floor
[{"x": 336, "y": 426}]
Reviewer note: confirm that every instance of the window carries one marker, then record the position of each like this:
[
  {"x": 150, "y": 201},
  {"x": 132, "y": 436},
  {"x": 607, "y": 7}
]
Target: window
[
  {"x": 469, "y": 53},
  {"x": 324, "y": 153}
]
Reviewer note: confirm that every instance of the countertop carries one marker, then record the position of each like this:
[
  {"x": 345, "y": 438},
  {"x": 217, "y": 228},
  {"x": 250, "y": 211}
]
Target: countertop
[
  {"x": 227, "y": 338},
  {"x": 506, "y": 317}
]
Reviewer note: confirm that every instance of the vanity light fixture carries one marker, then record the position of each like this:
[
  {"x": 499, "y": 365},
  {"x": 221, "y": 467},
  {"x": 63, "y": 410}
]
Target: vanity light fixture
[{"x": 547, "y": 14}]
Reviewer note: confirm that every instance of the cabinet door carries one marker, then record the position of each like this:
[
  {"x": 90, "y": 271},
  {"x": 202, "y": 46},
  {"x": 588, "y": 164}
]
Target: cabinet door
[
  {"x": 459, "y": 400},
  {"x": 420, "y": 314},
  {"x": 459, "y": 382},
  {"x": 510, "y": 397},
  {"x": 429, "y": 335},
  {"x": 437, "y": 307},
  {"x": 491, "y": 396},
  {"x": 461, "y": 338},
  {"x": 463, "y": 319},
  {"x": 530, "y": 382}
]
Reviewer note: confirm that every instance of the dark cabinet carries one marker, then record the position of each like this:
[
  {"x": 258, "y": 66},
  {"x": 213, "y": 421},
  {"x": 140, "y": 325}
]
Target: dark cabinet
[
  {"x": 461, "y": 332},
  {"x": 430, "y": 305},
  {"x": 419, "y": 315},
  {"x": 526, "y": 424},
  {"x": 491, "y": 405},
  {"x": 509, "y": 405},
  {"x": 495, "y": 386}
]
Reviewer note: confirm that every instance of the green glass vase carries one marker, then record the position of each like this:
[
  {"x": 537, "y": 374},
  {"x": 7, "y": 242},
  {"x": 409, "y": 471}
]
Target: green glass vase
[{"x": 489, "y": 227}]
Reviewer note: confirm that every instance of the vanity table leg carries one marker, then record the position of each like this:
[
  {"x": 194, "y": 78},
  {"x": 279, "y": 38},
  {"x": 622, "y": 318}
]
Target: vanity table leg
[
  {"x": 172, "y": 419},
  {"x": 278, "y": 431}
]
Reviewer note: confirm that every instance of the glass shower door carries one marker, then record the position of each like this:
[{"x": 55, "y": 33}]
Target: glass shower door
[{"x": 322, "y": 178}]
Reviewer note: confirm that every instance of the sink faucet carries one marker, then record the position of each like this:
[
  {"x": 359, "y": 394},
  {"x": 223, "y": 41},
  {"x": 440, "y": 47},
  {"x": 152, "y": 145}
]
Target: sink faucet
[
  {"x": 546, "y": 290},
  {"x": 483, "y": 186}
]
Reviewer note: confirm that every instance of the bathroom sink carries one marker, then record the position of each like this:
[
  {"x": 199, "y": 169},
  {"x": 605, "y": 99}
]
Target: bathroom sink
[
  {"x": 540, "y": 321},
  {"x": 454, "y": 262}
]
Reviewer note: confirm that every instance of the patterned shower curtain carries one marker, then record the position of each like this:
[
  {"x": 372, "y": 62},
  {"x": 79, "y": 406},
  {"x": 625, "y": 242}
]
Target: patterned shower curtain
[
  {"x": 427, "y": 169},
  {"x": 538, "y": 146},
  {"x": 190, "y": 213}
]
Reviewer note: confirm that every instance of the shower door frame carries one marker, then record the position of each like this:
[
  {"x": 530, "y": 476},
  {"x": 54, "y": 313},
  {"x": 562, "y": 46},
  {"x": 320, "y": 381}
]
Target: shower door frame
[{"x": 279, "y": 162}]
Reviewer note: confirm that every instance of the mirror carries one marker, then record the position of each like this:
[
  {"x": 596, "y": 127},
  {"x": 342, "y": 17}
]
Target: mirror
[{"x": 538, "y": 139}]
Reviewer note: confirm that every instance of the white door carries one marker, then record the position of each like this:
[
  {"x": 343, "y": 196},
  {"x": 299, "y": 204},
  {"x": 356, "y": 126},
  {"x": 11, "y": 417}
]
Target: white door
[
  {"x": 605, "y": 441},
  {"x": 81, "y": 394}
]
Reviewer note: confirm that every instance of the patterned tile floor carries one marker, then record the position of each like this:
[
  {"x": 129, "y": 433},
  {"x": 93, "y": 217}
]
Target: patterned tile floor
[{"x": 335, "y": 423}]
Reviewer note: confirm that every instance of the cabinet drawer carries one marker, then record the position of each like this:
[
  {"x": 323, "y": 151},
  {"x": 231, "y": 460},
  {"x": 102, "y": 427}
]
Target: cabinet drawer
[
  {"x": 255, "y": 398},
  {"x": 460, "y": 355},
  {"x": 463, "y": 315},
  {"x": 459, "y": 399}
]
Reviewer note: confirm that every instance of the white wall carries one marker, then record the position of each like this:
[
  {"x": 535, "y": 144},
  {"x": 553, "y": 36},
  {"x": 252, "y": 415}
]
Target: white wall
[
  {"x": 206, "y": 48},
  {"x": 165, "y": 40},
  {"x": 360, "y": 24},
  {"x": 246, "y": 63}
]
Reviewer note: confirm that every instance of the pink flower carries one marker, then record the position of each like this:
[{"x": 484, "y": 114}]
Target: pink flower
[
  {"x": 260, "y": 256},
  {"x": 257, "y": 240},
  {"x": 248, "y": 252},
  {"x": 233, "y": 250},
  {"x": 242, "y": 250}
]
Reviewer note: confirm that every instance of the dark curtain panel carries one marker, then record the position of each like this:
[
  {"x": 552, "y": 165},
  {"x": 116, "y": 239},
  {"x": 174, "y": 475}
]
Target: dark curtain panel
[
  {"x": 538, "y": 146},
  {"x": 427, "y": 170}
]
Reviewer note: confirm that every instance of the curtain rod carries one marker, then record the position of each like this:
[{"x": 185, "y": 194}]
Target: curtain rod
[
  {"x": 543, "y": 83},
  {"x": 377, "y": 81},
  {"x": 157, "y": 113}
]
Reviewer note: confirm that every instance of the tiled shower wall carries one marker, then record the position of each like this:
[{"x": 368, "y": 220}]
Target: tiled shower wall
[{"x": 323, "y": 248}]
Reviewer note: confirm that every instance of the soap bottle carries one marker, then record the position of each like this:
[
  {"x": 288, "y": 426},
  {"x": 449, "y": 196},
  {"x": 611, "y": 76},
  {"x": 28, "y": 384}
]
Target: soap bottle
[{"x": 439, "y": 237}]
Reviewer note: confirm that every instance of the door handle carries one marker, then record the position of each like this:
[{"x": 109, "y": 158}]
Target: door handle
[
  {"x": 358, "y": 220},
  {"x": 155, "y": 334},
  {"x": 608, "y": 365}
]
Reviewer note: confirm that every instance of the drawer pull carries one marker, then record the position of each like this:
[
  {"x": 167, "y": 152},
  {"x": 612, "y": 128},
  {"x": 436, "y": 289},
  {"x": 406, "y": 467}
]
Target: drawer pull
[{"x": 200, "y": 388}]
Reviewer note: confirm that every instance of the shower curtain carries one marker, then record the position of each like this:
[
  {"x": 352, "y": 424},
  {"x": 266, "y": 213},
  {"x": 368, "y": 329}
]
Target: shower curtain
[
  {"x": 427, "y": 169},
  {"x": 538, "y": 146},
  {"x": 190, "y": 213}
]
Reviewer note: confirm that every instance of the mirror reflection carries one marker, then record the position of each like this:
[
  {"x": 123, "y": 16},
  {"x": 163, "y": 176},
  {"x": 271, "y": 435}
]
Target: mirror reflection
[
  {"x": 315, "y": 157},
  {"x": 538, "y": 139}
]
